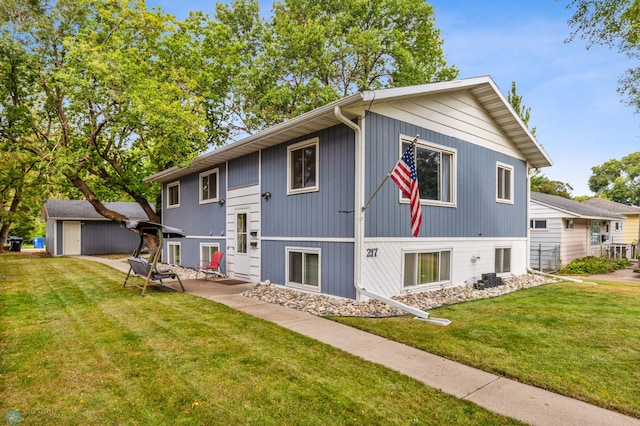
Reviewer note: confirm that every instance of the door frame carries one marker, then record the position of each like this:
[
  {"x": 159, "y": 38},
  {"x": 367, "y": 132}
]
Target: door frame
[{"x": 67, "y": 225}]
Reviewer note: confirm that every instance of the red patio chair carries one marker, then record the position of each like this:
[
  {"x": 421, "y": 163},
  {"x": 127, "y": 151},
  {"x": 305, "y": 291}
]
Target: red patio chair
[{"x": 214, "y": 268}]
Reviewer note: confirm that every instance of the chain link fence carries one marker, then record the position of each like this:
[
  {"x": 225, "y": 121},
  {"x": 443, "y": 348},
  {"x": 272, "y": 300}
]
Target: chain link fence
[{"x": 545, "y": 258}]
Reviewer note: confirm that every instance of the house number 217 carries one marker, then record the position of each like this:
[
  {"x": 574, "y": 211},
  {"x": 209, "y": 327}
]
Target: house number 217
[{"x": 372, "y": 252}]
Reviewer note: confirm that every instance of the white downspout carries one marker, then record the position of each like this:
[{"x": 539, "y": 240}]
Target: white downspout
[{"x": 358, "y": 231}]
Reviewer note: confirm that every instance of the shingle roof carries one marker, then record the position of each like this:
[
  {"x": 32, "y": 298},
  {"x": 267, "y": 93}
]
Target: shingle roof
[
  {"x": 612, "y": 206},
  {"x": 572, "y": 207},
  {"x": 83, "y": 210}
]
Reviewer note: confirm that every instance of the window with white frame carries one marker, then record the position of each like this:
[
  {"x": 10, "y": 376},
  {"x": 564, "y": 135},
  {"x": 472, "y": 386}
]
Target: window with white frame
[
  {"x": 209, "y": 186},
  {"x": 173, "y": 251},
  {"x": 504, "y": 183},
  {"x": 618, "y": 226},
  {"x": 302, "y": 166},
  {"x": 503, "y": 260},
  {"x": 432, "y": 267},
  {"x": 568, "y": 224},
  {"x": 538, "y": 224},
  {"x": 303, "y": 268},
  {"x": 173, "y": 195},
  {"x": 206, "y": 252},
  {"x": 435, "y": 166},
  {"x": 595, "y": 232}
]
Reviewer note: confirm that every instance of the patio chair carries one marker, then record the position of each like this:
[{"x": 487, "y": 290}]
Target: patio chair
[
  {"x": 214, "y": 267},
  {"x": 142, "y": 268}
]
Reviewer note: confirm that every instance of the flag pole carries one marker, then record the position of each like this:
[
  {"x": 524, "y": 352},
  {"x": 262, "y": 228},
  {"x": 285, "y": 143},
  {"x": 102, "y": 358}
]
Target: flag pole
[{"x": 413, "y": 142}]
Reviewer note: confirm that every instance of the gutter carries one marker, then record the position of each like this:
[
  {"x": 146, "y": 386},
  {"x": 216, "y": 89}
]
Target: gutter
[{"x": 358, "y": 231}]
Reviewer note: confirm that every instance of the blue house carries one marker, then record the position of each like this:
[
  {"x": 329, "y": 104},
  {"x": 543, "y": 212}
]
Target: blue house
[{"x": 288, "y": 204}]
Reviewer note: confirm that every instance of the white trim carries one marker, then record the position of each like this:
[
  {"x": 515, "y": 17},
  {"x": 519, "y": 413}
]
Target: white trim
[
  {"x": 437, "y": 239},
  {"x": 539, "y": 219},
  {"x": 424, "y": 286},
  {"x": 209, "y": 172},
  {"x": 498, "y": 247},
  {"x": 171, "y": 244},
  {"x": 309, "y": 239},
  {"x": 206, "y": 237},
  {"x": 505, "y": 166},
  {"x": 303, "y": 250},
  {"x": 294, "y": 147},
  {"x": 201, "y": 246},
  {"x": 171, "y": 185},
  {"x": 425, "y": 144}
]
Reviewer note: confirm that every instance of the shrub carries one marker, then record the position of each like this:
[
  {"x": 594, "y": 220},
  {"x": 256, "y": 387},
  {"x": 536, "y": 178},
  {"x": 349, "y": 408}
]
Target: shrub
[{"x": 596, "y": 265}]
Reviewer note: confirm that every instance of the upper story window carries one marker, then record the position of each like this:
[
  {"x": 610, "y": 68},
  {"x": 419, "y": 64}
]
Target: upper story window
[
  {"x": 504, "y": 183},
  {"x": 436, "y": 168},
  {"x": 302, "y": 167},
  {"x": 209, "y": 186},
  {"x": 173, "y": 195},
  {"x": 538, "y": 224}
]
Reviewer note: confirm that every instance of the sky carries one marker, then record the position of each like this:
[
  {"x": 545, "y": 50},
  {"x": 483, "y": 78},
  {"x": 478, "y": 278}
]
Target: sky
[{"x": 580, "y": 119}]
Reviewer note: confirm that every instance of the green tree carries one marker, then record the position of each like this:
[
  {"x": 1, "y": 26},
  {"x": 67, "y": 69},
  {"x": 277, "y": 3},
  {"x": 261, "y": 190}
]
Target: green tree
[
  {"x": 541, "y": 183},
  {"x": 516, "y": 102},
  {"x": 106, "y": 92},
  {"x": 618, "y": 180},
  {"x": 613, "y": 23},
  {"x": 312, "y": 53}
]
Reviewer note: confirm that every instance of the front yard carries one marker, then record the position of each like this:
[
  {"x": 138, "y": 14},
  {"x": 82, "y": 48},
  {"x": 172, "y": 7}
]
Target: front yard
[{"x": 77, "y": 349}]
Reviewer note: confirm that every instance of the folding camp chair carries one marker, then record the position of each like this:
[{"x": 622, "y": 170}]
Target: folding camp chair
[
  {"x": 214, "y": 267},
  {"x": 142, "y": 268}
]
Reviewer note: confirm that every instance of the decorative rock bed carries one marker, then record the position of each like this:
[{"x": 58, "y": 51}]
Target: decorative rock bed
[{"x": 332, "y": 306}]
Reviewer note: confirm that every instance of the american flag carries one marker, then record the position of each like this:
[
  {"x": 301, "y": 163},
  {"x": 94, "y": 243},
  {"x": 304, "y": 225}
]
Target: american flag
[{"x": 405, "y": 176}]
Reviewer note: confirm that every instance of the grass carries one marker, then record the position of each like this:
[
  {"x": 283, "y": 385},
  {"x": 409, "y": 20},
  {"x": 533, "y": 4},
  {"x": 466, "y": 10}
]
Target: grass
[
  {"x": 77, "y": 349},
  {"x": 582, "y": 341}
]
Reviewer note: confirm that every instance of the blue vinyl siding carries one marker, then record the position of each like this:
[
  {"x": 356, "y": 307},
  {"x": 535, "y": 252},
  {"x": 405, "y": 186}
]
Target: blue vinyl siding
[
  {"x": 197, "y": 219},
  {"x": 477, "y": 212},
  {"x": 104, "y": 237},
  {"x": 336, "y": 265},
  {"x": 190, "y": 250},
  {"x": 244, "y": 171},
  {"x": 325, "y": 213}
]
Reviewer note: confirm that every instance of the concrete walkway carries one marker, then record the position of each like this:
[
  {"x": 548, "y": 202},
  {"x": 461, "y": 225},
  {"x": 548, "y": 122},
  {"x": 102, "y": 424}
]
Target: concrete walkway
[{"x": 498, "y": 394}]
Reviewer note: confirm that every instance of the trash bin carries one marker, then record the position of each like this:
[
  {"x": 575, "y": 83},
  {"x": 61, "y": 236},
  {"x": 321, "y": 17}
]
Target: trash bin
[
  {"x": 15, "y": 243},
  {"x": 38, "y": 242}
]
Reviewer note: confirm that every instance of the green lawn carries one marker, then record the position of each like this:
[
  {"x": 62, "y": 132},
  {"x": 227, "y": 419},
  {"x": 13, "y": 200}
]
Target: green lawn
[
  {"x": 77, "y": 349},
  {"x": 579, "y": 340}
]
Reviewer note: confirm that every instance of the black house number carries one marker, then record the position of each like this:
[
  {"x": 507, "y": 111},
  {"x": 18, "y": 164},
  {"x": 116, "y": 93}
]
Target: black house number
[{"x": 372, "y": 252}]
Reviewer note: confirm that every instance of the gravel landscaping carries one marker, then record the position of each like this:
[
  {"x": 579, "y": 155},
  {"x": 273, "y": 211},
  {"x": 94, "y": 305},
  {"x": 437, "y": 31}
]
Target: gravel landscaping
[{"x": 332, "y": 306}]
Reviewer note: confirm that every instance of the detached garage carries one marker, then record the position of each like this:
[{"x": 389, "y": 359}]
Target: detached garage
[{"x": 74, "y": 227}]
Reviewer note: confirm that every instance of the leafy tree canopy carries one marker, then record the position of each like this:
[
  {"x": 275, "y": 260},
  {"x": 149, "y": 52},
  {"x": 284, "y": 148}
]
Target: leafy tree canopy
[
  {"x": 618, "y": 180},
  {"x": 541, "y": 183},
  {"x": 614, "y": 23}
]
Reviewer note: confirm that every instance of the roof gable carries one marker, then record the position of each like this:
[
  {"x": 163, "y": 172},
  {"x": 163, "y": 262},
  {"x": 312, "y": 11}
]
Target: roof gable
[
  {"x": 573, "y": 208},
  {"x": 83, "y": 210},
  {"x": 483, "y": 88}
]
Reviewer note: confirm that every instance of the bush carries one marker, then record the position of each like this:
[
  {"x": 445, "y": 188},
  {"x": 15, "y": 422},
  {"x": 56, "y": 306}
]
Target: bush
[{"x": 596, "y": 265}]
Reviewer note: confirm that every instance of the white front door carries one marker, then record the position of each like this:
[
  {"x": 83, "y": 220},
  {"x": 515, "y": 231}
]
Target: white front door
[
  {"x": 242, "y": 242},
  {"x": 70, "y": 238}
]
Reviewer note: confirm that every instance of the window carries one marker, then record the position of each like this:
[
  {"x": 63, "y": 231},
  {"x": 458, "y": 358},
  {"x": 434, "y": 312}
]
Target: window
[
  {"x": 173, "y": 250},
  {"x": 503, "y": 260},
  {"x": 435, "y": 166},
  {"x": 595, "y": 233},
  {"x": 209, "y": 186},
  {"x": 618, "y": 226},
  {"x": 538, "y": 224},
  {"x": 427, "y": 268},
  {"x": 206, "y": 252},
  {"x": 302, "y": 166},
  {"x": 173, "y": 195},
  {"x": 241, "y": 233},
  {"x": 568, "y": 224},
  {"x": 303, "y": 268},
  {"x": 504, "y": 183}
]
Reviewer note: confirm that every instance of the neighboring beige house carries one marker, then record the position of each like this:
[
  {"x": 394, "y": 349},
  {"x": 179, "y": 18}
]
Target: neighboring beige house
[
  {"x": 562, "y": 230},
  {"x": 631, "y": 227}
]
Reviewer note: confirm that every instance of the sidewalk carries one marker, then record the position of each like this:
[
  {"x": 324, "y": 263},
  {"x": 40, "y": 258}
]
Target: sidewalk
[{"x": 504, "y": 396}]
